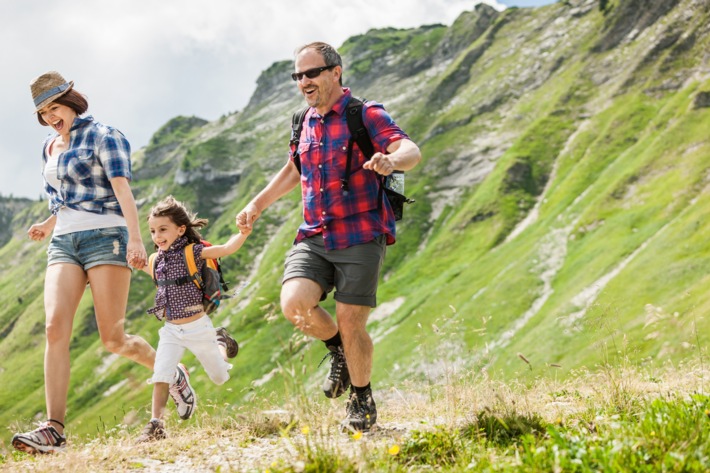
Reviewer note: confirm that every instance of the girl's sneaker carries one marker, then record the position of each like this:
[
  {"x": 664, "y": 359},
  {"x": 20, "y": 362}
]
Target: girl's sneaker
[
  {"x": 44, "y": 439},
  {"x": 226, "y": 340},
  {"x": 182, "y": 393},
  {"x": 154, "y": 430}
]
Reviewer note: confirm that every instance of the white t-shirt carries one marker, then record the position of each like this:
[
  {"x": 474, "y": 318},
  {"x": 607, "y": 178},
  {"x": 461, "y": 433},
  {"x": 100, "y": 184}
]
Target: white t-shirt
[{"x": 70, "y": 220}]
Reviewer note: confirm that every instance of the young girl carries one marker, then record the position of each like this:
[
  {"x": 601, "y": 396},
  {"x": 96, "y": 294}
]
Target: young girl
[{"x": 187, "y": 325}]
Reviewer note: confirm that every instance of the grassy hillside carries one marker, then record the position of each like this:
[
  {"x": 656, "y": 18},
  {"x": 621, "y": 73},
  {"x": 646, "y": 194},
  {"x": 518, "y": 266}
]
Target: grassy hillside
[{"x": 560, "y": 215}]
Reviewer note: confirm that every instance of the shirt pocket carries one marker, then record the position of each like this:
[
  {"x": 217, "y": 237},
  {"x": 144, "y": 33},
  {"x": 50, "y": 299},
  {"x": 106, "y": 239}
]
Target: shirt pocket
[
  {"x": 79, "y": 164},
  {"x": 338, "y": 157},
  {"x": 307, "y": 156}
]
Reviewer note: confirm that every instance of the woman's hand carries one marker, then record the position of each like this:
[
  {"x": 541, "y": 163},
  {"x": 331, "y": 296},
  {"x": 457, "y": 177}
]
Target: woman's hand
[
  {"x": 135, "y": 251},
  {"x": 37, "y": 232},
  {"x": 40, "y": 231},
  {"x": 136, "y": 255}
]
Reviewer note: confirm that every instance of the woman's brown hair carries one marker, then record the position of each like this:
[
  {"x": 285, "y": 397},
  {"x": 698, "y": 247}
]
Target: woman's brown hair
[{"x": 71, "y": 99}]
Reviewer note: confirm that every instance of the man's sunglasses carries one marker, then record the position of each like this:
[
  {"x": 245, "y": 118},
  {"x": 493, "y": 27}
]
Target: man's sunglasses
[{"x": 310, "y": 73}]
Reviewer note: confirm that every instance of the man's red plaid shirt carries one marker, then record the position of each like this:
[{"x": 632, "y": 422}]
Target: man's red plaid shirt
[{"x": 361, "y": 214}]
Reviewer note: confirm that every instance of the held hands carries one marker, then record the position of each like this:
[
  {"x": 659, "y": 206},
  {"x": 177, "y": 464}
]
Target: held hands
[
  {"x": 136, "y": 255},
  {"x": 380, "y": 163},
  {"x": 246, "y": 218}
]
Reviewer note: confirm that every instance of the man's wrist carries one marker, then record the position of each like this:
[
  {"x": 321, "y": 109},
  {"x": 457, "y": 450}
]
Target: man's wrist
[{"x": 255, "y": 205}]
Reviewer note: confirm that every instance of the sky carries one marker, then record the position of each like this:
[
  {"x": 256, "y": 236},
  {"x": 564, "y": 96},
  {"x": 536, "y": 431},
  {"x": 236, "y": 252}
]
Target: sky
[{"x": 142, "y": 62}]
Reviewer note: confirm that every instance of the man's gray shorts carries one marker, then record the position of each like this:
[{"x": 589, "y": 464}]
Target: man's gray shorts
[{"x": 353, "y": 271}]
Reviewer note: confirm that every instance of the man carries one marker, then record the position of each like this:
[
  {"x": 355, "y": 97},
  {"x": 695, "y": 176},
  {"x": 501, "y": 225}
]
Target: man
[{"x": 342, "y": 241}]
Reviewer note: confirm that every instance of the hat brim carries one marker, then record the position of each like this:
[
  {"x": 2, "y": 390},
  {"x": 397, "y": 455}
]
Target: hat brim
[{"x": 54, "y": 97}]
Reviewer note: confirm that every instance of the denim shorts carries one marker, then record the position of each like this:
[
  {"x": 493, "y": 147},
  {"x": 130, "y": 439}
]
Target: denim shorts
[
  {"x": 353, "y": 271},
  {"x": 89, "y": 248}
]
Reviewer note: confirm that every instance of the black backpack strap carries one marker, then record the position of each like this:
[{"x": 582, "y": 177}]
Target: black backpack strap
[
  {"x": 153, "y": 262},
  {"x": 358, "y": 134},
  {"x": 356, "y": 126},
  {"x": 174, "y": 282},
  {"x": 296, "y": 129}
]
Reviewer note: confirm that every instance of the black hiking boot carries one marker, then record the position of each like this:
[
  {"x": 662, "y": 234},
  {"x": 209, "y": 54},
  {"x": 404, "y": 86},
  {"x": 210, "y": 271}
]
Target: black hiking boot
[
  {"x": 361, "y": 412},
  {"x": 338, "y": 380}
]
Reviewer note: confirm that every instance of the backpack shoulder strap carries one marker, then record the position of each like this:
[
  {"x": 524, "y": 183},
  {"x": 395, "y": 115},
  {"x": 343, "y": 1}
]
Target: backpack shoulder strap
[
  {"x": 296, "y": 129},
  {"x": 358, "y": 134},
  {"x": 356, "y": 126},
  {"x": 189, "y": 255},
  {"x": 151, "y": 266},
  {"x": 212, "y": 263}
]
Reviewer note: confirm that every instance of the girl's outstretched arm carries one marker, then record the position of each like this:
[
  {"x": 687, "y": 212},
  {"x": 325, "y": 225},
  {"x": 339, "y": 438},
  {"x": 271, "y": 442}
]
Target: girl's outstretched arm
[
  {"x": 146, "y": 270},
  {"x": 217, "y": 251}
]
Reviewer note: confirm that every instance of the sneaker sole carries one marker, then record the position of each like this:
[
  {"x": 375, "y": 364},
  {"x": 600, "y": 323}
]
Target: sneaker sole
[
  {"x": 191, "y": 411},
  {"x": 29, "y": 447},
  {"x": 150, "y": 440},
  {"x": 221, "y": 331},
  {"x": 188, "y": 414},
  {"x": 345, "y": 426},
  {"x": 233, "y": 354}
]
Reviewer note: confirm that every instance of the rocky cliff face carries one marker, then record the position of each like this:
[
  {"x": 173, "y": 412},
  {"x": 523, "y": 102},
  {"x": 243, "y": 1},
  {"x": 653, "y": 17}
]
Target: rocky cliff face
[
  {"x": 157, "y": 158},
  {"x": 9, "y": 207}
]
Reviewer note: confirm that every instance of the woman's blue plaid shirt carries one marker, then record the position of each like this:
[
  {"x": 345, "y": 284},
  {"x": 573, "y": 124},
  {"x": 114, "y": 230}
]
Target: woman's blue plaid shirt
[{"x": 96, "y": 154}]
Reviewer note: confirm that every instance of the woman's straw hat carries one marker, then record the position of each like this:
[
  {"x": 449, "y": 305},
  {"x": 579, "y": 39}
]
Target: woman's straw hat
[{"x": 49, "y": 87}]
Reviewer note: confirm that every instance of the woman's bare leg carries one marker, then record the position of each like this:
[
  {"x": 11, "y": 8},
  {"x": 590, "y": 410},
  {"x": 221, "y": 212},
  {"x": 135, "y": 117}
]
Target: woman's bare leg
[
  {"x": 64, "y": 284},
  {"x": 109, "y": 287}
]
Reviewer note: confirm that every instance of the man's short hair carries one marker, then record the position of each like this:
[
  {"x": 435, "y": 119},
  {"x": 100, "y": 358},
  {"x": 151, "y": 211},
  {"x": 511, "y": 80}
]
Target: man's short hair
[{"x": 329, "y": 53}]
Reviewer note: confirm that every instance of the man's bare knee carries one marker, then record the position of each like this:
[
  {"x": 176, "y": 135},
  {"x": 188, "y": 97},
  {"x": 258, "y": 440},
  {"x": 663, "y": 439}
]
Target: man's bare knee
[{"x": 297, "y": 313}]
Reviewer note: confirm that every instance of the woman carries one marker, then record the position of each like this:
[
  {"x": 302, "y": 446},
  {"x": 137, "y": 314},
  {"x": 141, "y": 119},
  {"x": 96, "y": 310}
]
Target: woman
[{"x": 95, "y": 237}]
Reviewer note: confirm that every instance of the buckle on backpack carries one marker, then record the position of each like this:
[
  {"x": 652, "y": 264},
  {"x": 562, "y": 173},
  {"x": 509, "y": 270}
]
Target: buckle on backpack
[{"x": 344, "y": 185}]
